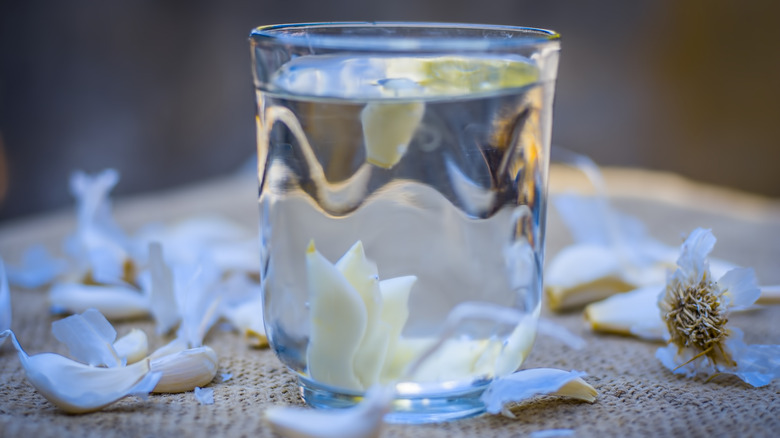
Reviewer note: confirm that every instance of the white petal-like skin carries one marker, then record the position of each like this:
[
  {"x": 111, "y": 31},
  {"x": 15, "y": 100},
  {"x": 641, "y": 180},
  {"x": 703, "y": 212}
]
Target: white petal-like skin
[
  {"x": 99, "y": 244},
  {"x": 89, "y": 338},
  {"x": 184, "y": 370},
  {"x": 631, "y": 313},
  {"x": 38, "y": 268},
  {"x": 5, "y": 300},
  {"x": 114, "y": 302},
  {"x": 338, "y": 323},
  {"x": 77, "y": 388},
  {"x": 757, "y": 365},
  {"x": 693, "y": 254},
  {"x": 740, "y": 287},
  {"x": 162, "y": 296},
  {"x": 205, "y": 396},
  {"x": 199, "y": 300},
  {"x": 362, "y": 274},
  {"x": 525, "y": 384},
  {"x": 387, "y": 130},
  {"x": 133, "y": 346},
  {"x": 364, "y": 420}
]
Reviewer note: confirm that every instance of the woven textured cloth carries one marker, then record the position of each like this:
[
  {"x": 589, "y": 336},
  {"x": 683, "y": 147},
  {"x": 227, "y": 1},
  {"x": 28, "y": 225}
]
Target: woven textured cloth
[{"x": 637, "y": 395}]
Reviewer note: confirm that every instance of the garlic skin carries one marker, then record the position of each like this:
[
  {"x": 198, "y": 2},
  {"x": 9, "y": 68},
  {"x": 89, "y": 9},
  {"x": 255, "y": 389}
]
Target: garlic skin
[
  {"x": 5, "y": 300},
  {"x": 363, "y": 420},
  {"x": 89, "y": 338},
  {"x": 525, "y": 384},
  {"x": 77, "y": 388}
]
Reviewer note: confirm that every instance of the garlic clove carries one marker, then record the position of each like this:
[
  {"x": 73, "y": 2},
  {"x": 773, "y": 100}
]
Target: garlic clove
[
  {"x": 387, "y": 130},
  {"x": 133, "y": 346},
  {"x": 89, "y": 338},
  {"x": 114, "y": 302},
  {"x": 395, "y": 312},
  {"x": 523, "y": 385},
  {"x": 338, "y": 323},
  {"x": 78, "y": 388},
  {"x": 362, "y": 274},
  {"x": 363, "y": 420},
  {"x": 633, "y": 313},
  {"x": 769, "y": 295},
  {"x": 581, "y": 274},
  {"x": 185, "y": 370}
]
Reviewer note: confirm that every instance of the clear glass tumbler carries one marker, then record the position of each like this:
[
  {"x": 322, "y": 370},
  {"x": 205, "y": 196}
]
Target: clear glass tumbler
[{"x": 403, "y": 174}]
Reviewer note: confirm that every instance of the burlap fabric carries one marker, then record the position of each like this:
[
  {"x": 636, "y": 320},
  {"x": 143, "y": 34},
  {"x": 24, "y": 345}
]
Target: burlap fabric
[{"x": 637, "y": 395}]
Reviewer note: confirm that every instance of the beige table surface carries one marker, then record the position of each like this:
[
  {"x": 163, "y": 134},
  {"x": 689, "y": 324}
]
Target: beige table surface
[{"x": 637, "y": 395}]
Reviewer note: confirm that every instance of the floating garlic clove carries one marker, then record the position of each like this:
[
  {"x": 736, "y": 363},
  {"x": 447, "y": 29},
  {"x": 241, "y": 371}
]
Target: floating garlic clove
[
  {"x": 133, "y": 346},
  {"x": 632, "y": 313},
  {"x": 78, "y": 388},
  {"x": 395, "y": 312},
  {"x": 363, "y": 275},
  {"x": 114, "y": 302},
  {"x": 387, "y": 130},
  {"x": 5, "y": 300},
  {"x": 363, "y": 420},
  {"x": 184, "y": 370},
  {"x": 523, "y": 385},
  {"x": 338, "y": 323},
  {"x": 89, "y": 338}
]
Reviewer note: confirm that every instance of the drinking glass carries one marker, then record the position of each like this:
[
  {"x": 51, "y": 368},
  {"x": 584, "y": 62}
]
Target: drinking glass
[{"x": 402, "y": 190}]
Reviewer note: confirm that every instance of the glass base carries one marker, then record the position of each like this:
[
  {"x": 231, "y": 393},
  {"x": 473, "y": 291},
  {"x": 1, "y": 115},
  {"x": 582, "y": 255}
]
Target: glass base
[{"x": 406, "y": 408}]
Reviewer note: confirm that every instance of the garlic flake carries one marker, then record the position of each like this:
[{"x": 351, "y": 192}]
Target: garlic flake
[
  {"x": 523, "y": 385},
  {"x": 363, "y": 420},
  {"x": 78, "y": 388}
]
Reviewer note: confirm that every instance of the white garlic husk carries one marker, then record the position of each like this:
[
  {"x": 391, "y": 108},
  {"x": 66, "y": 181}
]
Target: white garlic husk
[{"x": 78, "y": 388}]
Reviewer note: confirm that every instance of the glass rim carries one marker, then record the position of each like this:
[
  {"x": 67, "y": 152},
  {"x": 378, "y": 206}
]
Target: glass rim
[{"x": 294, "y": 34}]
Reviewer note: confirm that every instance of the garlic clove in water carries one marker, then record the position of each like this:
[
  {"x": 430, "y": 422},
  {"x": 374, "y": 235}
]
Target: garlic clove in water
[
  {"x": 363, "y": 275},
  {"x": 363, "y": 420},
  {"x": 78, "y": 388},
  {"x": 522, "y": 385},
  {"x": 387, "y": 130},
  {"x": 338, "y": 323}
]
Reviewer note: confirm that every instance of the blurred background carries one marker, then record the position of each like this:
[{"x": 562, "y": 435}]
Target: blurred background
[{"x": 161, "y": 90}]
